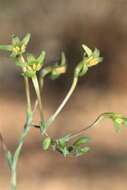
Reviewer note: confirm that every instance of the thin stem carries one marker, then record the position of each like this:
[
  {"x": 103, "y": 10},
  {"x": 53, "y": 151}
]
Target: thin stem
[
  {"x": 27, "y": 87},
  {"x": 95, "y": 123},
  {"x": 36, "y": 101},
  {"x": 28, "y": 125},
  {"x": 37, "y": 90},
  {"x": 57, "y": 112},
  {"x": 39, "y": 102},
  {"x": 13, "y": 179}
]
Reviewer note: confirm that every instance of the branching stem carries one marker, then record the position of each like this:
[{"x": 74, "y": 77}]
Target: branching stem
[
  {"x": 16, "y": 155},
  {"x": 95, "y": 123},
  {"x": 37, "y": 90},
  {"x": 57, "y": 112}
]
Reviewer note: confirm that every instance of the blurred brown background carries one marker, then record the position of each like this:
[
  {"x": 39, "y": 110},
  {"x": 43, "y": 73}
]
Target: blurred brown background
[{"x": 64, "y": 25}]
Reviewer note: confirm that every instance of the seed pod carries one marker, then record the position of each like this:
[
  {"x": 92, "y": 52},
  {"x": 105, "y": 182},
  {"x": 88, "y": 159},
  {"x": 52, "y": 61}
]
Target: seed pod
[{"x": 46, "y": 143}]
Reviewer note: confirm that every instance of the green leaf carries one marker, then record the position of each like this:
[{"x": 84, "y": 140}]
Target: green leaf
[
  {"x": 26, "y": 39},
  {"x": 63, "y": 59},
  {"x": 81, "y": 151},
  {"x": 46, "y": 143},
  {"x": 96, "y": 52},
  {"x": 30, "y": 58},
  {"x": 87, "y": 50},
  {"x": 117, "y": 126},
  {"x": 41, "y": 58},
  {"x": 20, "y": 64},
  {"x": 15, "y": 40},
  {"x": 6, "y": 47},
  {"x": 63, "y": 140},
  {"x": 81, "y": 140}
]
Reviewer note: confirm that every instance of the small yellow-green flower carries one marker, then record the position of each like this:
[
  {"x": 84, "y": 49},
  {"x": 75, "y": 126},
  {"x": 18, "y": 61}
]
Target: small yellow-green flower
[
  {"x": 17, "y": 47},
  {"x": 92, "y": 57},
  {"x": 55, "y": 70},
  {"x": 33, "y": 64}
]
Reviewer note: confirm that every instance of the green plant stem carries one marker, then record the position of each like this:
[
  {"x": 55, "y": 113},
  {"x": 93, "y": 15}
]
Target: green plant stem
[
  {"x": 27, "y": 86},
  {"x": 37, "y": 90},
  {"x": 16, "y": 155},
  {"x": 39, "y": 102},
  {"x": 57, "y": 112},
  {"x": 27, "y": 89},
  {"x": 36, "y": 101},
  {"x": 95, "y": 123}
]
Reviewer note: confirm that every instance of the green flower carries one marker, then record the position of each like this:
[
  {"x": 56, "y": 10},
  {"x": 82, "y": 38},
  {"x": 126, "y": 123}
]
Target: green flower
[
  {"x": 33, "y": 64},
  {"x": 17, "y": 47},
  {"x": 55, "y": 70},
  {"x": 90, "y": 58}
]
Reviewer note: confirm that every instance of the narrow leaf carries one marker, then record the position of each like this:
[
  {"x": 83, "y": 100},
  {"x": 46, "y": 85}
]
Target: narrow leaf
[
  {"x": 41, "y": 58},
  {"x": 6, "y": 47},
  {"x": 81, "y": 140},
  {"x": 26, "y": 39},
  {"x": 87, "y": 50}
]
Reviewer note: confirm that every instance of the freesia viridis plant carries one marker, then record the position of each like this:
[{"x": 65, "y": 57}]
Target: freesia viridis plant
[{"x": 34, "y": 68}]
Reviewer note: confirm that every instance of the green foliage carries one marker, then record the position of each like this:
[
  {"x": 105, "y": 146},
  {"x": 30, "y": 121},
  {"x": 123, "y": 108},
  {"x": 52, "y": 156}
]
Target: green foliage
[
  {"x": 71, "y": 149},
  {"x": 82, "y": 151},
  {"x": 118, "y": 120},
  {"x": 81, "y": 140}
]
